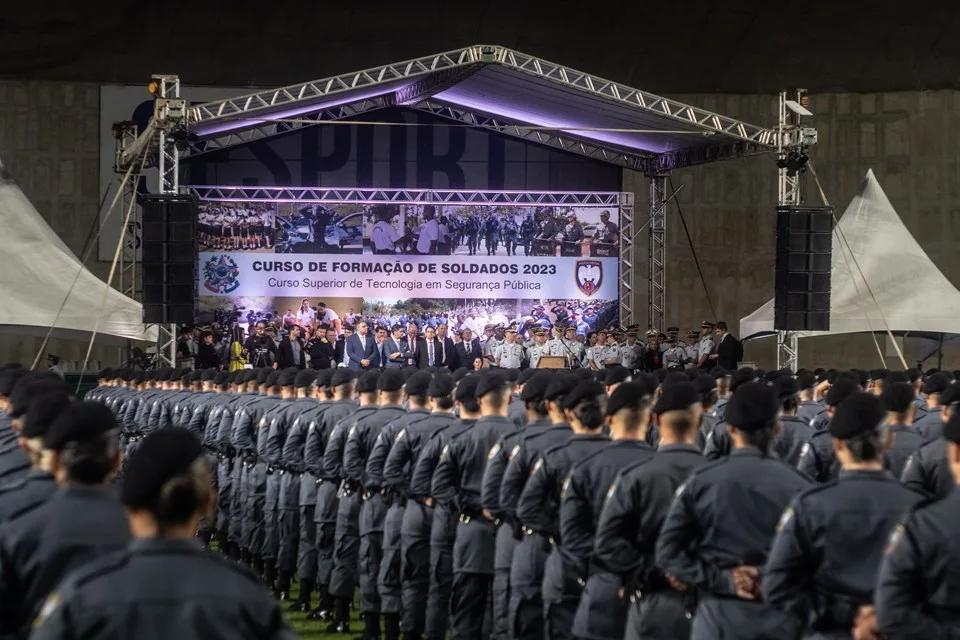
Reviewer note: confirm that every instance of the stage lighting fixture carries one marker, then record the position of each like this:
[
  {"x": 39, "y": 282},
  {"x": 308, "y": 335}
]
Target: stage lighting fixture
[
  {"x": 154, "y": 88},
  {"x": 797, "y": 108}
]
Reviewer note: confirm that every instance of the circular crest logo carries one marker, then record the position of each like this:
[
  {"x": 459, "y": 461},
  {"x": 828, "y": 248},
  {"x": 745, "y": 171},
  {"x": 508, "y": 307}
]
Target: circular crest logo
[{"x": 221, "y": 274}]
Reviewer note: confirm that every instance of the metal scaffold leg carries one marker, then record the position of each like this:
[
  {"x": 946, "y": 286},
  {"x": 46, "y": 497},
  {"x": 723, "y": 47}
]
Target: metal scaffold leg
[{"x": 658, "y": 250}]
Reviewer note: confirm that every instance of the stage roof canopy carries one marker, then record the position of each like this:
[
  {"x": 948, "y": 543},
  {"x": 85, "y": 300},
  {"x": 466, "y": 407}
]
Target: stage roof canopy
[{"x": 497, "y": 89}]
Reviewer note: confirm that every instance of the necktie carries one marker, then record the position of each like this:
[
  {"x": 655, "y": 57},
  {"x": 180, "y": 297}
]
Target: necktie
[
  {"x": 443, "y": 350},
  {"x": 410, "y": 349},
  {"x": 430, "y": 354}
]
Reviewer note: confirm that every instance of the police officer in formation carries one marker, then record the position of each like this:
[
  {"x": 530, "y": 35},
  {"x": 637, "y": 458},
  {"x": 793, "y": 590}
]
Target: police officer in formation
[{"x": 479, "y": 504}]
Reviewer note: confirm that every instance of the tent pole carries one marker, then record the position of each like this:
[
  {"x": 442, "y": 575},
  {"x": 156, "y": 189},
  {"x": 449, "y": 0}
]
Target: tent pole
[
  {"x": 788, "y": 193},
  {"x": 940, "y": 353}
]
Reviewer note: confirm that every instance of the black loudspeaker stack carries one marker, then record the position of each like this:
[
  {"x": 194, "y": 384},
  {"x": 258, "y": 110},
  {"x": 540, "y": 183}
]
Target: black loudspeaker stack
[
  {"x": 804, "y": 260},
  {"x": 169, "y": 259}
]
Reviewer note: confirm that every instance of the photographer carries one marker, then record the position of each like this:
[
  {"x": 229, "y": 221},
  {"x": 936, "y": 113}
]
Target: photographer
[
  {"x": 320, "y": 349},
  {"x": 260, "y": 349}
]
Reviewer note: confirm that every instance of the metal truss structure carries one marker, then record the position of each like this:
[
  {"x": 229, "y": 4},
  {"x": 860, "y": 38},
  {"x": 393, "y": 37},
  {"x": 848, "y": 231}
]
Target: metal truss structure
[
  {"x": 657, "y": 256},
  {"x": 623, "y": 202}
]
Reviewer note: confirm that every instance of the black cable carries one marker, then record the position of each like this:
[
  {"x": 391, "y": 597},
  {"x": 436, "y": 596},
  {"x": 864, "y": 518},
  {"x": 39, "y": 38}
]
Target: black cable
[{"x": 693, "y": 250}]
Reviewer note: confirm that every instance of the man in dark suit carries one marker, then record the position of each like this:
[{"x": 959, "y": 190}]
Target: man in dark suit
[
  {"x": 448, "y": 357},
  {"x": 340, "y": 346},
  {"x": 429, "y": 352},
  {"x": 729, "y": 351},
  {"x": 395, "y": 348},
  {"x": 466, "y": 351},
  {"x": 361, "y": 349},
  {"x": 409, "y": 344},
  {"x": 291, "y": 352}
]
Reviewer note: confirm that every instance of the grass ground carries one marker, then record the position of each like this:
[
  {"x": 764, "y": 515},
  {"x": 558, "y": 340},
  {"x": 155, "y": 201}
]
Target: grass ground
[{"x": 311, "y": 630}]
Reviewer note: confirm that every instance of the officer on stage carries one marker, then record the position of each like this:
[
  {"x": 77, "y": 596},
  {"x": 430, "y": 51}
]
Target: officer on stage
[
  {"x": 417, "y": 515},
  {"x": 635, "y": 508},
  {"x": 538, "y": 349},
  {"x": 509, "y": 354},
  {"x": 716, "y": 535},
  {"x": 589, "y": 596},
  {"x": 609, "y": 354},
  {"x": 457, "y": 482},
  {"x": 823, "y": 564},
  {"x": 444, "y": 525}
]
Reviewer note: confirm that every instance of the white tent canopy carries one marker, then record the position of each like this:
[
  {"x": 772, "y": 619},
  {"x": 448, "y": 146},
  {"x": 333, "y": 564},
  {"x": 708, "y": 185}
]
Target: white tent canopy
[
  {"x": 36, "y": 275},
  {"x": 871, "y": 246}
]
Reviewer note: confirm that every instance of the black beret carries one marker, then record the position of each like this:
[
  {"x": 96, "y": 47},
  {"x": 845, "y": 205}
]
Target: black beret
[
  {"x": 913, "y": 374},
  {"x": 693, "y": 374},
  {"x": 324, "y": 376},
  {"x": 937, "y": 383},
  {"x": 678, "y": 396},
  {"x": 367, "y": 383},
  {"x": 29, "y": 386},
  {"x": 460, "y": 374},
  {"x": 661, "y": 375},
  {"x": 139, "y": 377},
  {"x": 600, "y": 376},
  {"x": 616, "y": 375},
  {"x": 273, "y": 378},
  {"x": 584, "y": 375},
  {"x": 878, "y": 374},
  {"x": 951, "y": 395},
  {"x": 786, "y": 387},
  {"x": 951, "y": 429},
  {"x": 406, "y": 372},
  {"x": 163, "y": 375},
  {"x": 628, "y": 394},
  {"x": 287, "y": 377},
  {"x": 161, "y": 456},
  {"x": 806, "y": 380},
  {"x": 106, "y": 374},
  {"x": 863, "y": 377},
  {"x": 8, "y": 379},
  {"x": 719, "y": 372},
  {"x": 467, "y": 388},
  {"x": 897, "y": 397},
  {"x": 232, "y": 377},
  {"x": 304, "y": 378},
  {"x": 180, "y": 374},
  {"x": 390, "y": 380},
  {"x": 512, "y": 375},
  {"x": 43, "y": 410},
  {"x": 195, "y": 376},
  {"x": 859, "y": 413},
  {"x": 675, "y": 377},
  {"x": 753, "y": 406},
  {"x": 536, "y": 387},
  {"x": 558, "y": 386},
  {"x": 771, "y": 376},
  {"x": 261, "y": 375},
  {"x": 343, "y": 375},
  {"x": 843, "y": 388},
  {"x": 441, "y": 386},
  {"x": 418, "y": 383},
  {"x": 584, "y": 391},
  {"x": 705, "y": 383},
  {"x": 741, "y": 377},
  {"x": 490, "y": 382},
  {"x": 526, "y": 374},
  {"x": 150, "y": 375},
  {"x": 897, "y": 376},
  {"x": 79, "y": 423},
  {"x": 222, "y": 378}
]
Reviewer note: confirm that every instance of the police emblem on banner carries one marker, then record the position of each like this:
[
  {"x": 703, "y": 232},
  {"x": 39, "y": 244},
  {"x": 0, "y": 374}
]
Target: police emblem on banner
[
  {"x": 588, "y": 276},
  {"x": 221, "y": 274}
]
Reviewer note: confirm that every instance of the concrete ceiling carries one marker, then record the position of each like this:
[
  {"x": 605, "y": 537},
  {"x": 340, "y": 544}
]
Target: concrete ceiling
[{"x": 684, "y": 46}]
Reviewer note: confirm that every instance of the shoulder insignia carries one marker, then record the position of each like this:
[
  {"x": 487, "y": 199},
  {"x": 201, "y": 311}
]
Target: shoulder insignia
[
  {"x": 805, "y": 449},
  {"x": 907, "y": 466},
  {"x": 352, "y": 431},
  {"x": 612, "y": 490},
  {"x": 443, "y": 452},
  {"x": 514, "y": 452},
  {"x": 680, "y": 490},
  {"x": 51, "y": 604},
  {"x": 536, "y": 466},
  {"x": 401, "y": 435},
  {"x": 263, "y": 421},
  {"x": 894, "y": 539},
  {"x": 785, "y": 519},
  {"x": 493, "y": 451},
  {"x": 565, "y": 487}
]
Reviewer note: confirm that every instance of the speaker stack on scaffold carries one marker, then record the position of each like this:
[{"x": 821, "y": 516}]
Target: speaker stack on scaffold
[
  {"x": 169, "y": 259},
  {"x": 804, "y": 261}
]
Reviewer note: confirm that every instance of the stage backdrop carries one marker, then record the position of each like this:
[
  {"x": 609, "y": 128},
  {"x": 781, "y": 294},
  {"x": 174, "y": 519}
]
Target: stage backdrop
[{"x": 465, "y": 264}]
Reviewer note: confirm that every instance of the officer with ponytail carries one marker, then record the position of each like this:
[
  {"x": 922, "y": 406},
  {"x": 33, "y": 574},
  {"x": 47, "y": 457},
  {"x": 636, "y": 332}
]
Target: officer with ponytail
[
  {"x": 163, "y": 584},
  {"x": 718, "y": 530},
  {"x": 825, "y": 558},
  {"x": 81, "y": 521}
]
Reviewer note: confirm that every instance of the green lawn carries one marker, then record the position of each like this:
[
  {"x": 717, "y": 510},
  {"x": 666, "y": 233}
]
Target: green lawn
[{"x": 316, "y": 630}]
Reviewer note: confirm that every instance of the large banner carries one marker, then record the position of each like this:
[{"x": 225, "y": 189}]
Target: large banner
[{"x": 467, "y": 264}]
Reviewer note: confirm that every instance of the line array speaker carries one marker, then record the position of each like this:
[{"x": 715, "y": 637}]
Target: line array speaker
[
  {"x": 169, "y": 259},
  {"x": 804, "y": 261}
]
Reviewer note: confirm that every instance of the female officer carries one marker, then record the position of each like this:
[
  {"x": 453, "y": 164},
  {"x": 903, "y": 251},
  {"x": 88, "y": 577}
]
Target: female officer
[{"x": 164, "y": 585}]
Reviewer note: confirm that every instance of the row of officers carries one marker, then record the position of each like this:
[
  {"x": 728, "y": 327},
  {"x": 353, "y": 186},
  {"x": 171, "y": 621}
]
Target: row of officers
[{"x": 561, "y": 506}]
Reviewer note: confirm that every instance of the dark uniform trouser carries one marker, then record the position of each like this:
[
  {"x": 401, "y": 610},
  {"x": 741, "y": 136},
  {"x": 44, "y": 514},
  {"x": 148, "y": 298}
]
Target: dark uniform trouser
[
  {"x": 389, "y": 582},
  {"x": 602, "y": 613},
  {"x": 210, "y": 524},
  {"x": 442, "y": 533},
  {"x": 372, "y": 514},
  {"x": 506, "y": 544},
  {"x": 239, "y": 477},
  {"x": 346, "y": 548},
  {"x": 470, "y": 601},
  {"x": 415, "y": 566},
  {"x": 561, "y": 595},
  {"x": 307, "y": 547},
  {"x": 660, "y": 615},
  {"x": 526, "y": 578},
  {"x": 256, "y": 490},
  {"x": 271, "y": 516},
  {"x": 225, "y": 482},
  {"x": 735, "y": 618},
  {"x": 325, "y": 517},
  {"x": 289, "y": 512}
]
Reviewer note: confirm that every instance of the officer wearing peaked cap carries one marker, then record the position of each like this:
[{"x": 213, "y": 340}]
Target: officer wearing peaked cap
[
  {"x": 389, "y": 585},
  {"x": 343, "y": 383},
  {"x": 547, "y": 426},
  {"x": 703, "y": 542},
  {"x": 133, "y": 592},
  {"x": 417, "y": 518},
  {"x": 913, "y": 597},
  {"x": 346, "y": 552},
  {"x": 634, "y": 510},
  {"x": 587, "y": 592},
  {"x": 457, "y": 482},
  {"x": 824, "y": 578},
  {"x": 81, "y": 521},
  {"x": 444, "y": 525}
]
